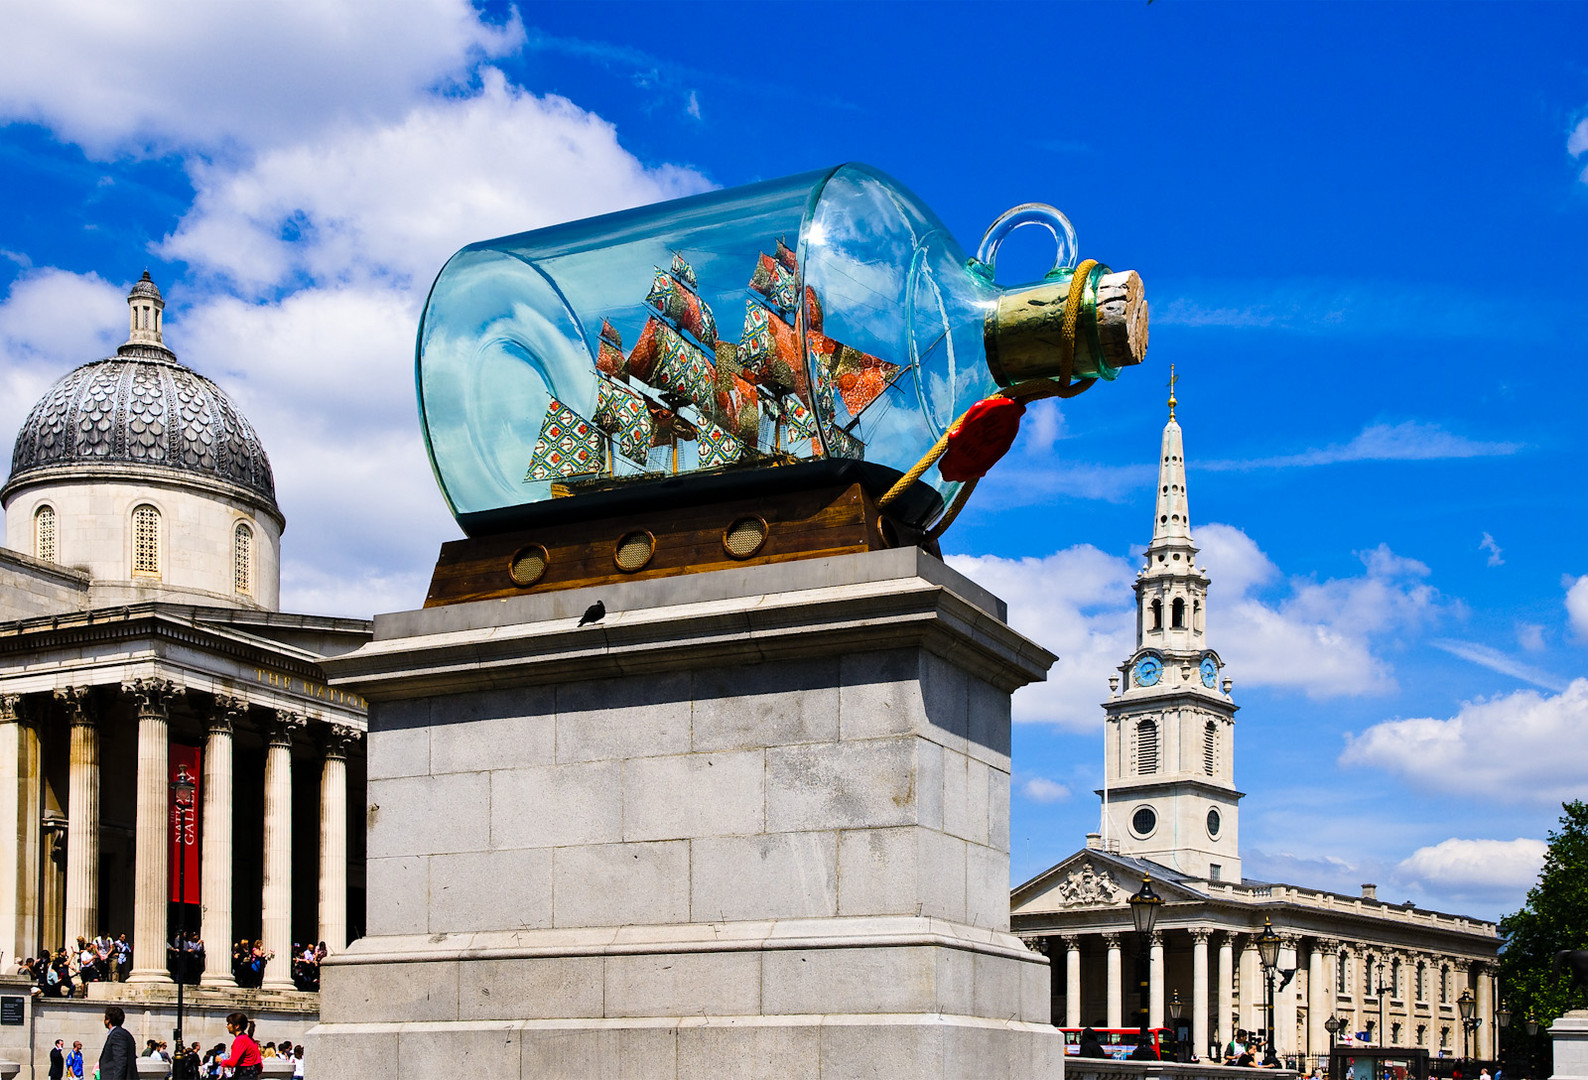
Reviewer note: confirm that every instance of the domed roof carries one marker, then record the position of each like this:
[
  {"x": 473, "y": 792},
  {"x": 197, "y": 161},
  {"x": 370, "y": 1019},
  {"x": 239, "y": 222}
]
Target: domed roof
[
  {"x": 142, "y": 407},
  {"x": 145, "y": 286}
]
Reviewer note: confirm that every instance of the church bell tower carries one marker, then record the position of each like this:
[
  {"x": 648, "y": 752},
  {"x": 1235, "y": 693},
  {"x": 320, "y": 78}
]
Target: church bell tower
[{"x": 1169, "y": 727}]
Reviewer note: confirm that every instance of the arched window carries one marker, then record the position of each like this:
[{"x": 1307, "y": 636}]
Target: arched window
[
  {"x": 1444, "y": 985},
  {"x": 1177, "y": 614},
  {"x": 1422, "y": 1034},
  {"x": 1146, "y": 748},
  {"x": 44, "y": 533},
  {"x": 1368, "y": 989},
  {"x": 1395, "y": 978},
  {"x": 1395, "y": 1034},
  {"x": 1422, "y": 984},
  {"x": 146, "y": 541},
  {"x": 1196, "y": 615},
  {"x": 1157, "y": 614},
  {"x": 1341, "y": 973},
  {"x": 243, "y": 559}
]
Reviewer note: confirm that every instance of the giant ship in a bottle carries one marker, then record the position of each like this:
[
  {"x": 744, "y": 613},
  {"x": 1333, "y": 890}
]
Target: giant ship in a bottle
[{"x": 685, "y": 398}]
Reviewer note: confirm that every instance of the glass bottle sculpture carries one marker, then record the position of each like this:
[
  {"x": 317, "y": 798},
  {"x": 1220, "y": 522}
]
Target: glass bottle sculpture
[{"x": 817, "y": 329}]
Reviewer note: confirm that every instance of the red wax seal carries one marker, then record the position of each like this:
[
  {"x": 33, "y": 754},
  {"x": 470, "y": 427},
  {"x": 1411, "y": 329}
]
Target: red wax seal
[{"x": 984, "y": 436}]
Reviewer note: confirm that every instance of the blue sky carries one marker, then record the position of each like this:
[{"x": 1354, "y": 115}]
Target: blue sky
[{"x": 1361, "y": 226}]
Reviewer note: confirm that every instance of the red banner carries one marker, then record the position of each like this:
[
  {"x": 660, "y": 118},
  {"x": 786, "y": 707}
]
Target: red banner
[{"x": 184, "y": 832}]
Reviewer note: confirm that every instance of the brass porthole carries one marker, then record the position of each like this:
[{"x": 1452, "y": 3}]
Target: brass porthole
[
  {"x": 744, "y": 537},
  {"x": 890, "y": 534},
  {"x": 528, "y": 565},
  {"x": 634, "y": 550}
]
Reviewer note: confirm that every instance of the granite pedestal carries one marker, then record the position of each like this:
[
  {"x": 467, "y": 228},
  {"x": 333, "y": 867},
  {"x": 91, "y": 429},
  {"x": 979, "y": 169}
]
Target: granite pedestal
[
  {"x": 1569, "y": 1035},
  {"x": 753, "y": 823}
]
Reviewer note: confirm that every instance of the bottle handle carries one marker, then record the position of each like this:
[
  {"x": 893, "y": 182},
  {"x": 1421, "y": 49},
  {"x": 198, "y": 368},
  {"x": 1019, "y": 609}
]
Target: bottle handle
[{"x": 1049, "y": 218}]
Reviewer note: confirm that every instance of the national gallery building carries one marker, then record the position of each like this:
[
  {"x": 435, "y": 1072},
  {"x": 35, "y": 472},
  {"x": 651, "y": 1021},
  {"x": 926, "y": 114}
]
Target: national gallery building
[
  {"x": 1388, "y": 974},
  {"x": 166, "y": 734}
]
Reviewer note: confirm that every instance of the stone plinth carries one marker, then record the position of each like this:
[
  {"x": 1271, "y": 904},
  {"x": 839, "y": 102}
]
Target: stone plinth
[
  {"x": 1570, "y": 1037},
  {"x": 752, "y": 823}
]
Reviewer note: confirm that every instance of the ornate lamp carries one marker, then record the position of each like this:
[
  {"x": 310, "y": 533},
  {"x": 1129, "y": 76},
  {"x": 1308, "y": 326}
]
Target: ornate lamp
[
  {"x": 1467, "y": 1006},
  {"x": 1144, "y": 906},
  {"x": 1176, "y": 1007},
  {"x": 1502, "y": 1016},
  {"x": 1532, "y": 1025},
  {"x": 1268, "y": 946}
]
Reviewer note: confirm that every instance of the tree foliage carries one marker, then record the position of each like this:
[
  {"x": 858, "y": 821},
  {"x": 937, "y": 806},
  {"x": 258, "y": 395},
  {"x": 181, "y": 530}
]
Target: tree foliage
[{"x": 1555, "y": 917}]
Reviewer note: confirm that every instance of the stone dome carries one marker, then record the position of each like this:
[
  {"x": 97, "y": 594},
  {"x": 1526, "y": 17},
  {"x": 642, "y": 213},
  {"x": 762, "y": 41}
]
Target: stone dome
[{"x": 142, "y": 407}]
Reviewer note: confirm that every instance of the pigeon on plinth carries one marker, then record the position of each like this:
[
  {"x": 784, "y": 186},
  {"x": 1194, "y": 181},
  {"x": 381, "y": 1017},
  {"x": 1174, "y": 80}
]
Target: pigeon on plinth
[{"x": 594, "y": 613}]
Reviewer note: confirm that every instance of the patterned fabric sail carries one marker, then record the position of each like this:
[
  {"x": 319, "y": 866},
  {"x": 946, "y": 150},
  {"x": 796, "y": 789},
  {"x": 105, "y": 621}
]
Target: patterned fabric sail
[
  {"x": 738, "y": 406},
  {"x": 683, "y": 370},
  {"x": 609, "y": 352},
  {"x": 683, "y": 271},
  {"x": 769, "y": 351},
  {"x": 717, "y": 447},
  {"x": 776, "y": 282},
  {"x": 569, "y": 445},
  {"x": 860, "y": 378},
  {"x": 683, "y": 308},
  {"x": 622, "y": 414}
]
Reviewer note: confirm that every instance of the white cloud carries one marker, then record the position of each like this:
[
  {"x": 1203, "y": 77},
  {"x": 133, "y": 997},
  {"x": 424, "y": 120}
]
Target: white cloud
[
  {"x": 1530, "y": 636},
  {"x": 1319, "y": 637},
  {"x": 51, "y": 322},
  {"x": 394, "y": 201},
  {"x": 1040, "y": 789},
  {"x": 1411, "y": 440},
  {"x": 1577, "y": 604},
  {"x": 190, "y": 74},
  {"x": 1456, "y": 864},
  {"x": 1076, "y": 603},
  {"x": 1523, "y": 747},
  {"x": 1504, "y": 663},
  {"x": 1488, "y": 544},
  {"x": 1577, "y": 144}
]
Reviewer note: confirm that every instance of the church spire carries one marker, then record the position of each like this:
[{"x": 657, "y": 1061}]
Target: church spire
[{"x": 1172, "y": 524}]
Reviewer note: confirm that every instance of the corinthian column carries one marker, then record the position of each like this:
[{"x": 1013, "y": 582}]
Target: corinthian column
[
  {"x": 10, "y": 827},
  {"x": 277, "y": 901},
  {"x": 216, "y": 874},
  {"x": 1285, "y": 998},
  {"x": 1222, "y": 1029},
  {"x": 1320, "y": 995},
  {"x": 152, "y": 831},
  {"x": 82, "y": 812},
  {"x": 333, "y": 838},
  {"x": 1072, "y": 981},
  {"x": 1155, "y": 980},
  {"x": 1199, "y": 991},
  {"x": 1116, "y": 992}
]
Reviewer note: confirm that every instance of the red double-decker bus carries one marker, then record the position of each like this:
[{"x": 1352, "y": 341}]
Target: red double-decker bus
[{"x": 1120, "y": 1043}]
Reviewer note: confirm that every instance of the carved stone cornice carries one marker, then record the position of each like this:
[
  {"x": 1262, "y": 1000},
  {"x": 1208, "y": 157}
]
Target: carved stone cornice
[
  {"x": 153, "y": 696},
  {"x": 78, "y": 701}
]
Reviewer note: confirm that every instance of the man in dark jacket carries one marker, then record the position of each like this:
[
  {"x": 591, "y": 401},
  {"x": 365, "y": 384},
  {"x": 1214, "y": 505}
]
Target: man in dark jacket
[
  {"x": 119, "y": 1059},
  {"x": 58, "y": 1059}
]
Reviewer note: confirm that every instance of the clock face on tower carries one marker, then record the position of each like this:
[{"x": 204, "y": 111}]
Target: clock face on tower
[
  {"x": 1210, "y": 672},
  {"x": 1148, "y": 669}
]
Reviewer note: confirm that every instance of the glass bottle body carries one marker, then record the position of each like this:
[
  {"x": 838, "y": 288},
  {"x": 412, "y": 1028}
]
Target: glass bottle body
[{"x": 803, "y": 331}]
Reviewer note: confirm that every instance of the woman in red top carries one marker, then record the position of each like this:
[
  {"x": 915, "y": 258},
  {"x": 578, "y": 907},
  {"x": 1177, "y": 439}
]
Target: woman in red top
[{"x": 244, "y": 1058}]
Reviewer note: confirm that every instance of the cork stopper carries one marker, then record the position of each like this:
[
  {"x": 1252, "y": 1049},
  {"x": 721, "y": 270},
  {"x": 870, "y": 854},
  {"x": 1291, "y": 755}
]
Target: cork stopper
[{"x": 1024, "y": 334}]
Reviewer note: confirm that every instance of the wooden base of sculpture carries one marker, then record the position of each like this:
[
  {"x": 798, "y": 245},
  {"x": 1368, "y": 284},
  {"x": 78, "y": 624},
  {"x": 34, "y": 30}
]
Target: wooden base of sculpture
[{"x": 839, "y": 520}]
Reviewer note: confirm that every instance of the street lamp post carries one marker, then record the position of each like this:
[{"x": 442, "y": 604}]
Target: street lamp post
[
  {"x": 1144, "y": 906},
  {"x": 1380, "y": 991},
  {"x": 1502, "y": 1020},
  {"x": 1176, "y": 1011},
  {"x": 182, "y": 787},
  {"x": 1467, "y": 1006},
  {"x": 1332, "y": 1026},
  {"x": 1268, "y": 951}
]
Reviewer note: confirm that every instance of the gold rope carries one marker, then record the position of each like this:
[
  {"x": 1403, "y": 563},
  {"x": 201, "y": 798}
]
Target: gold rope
[{"x": 1030, "y": 390}]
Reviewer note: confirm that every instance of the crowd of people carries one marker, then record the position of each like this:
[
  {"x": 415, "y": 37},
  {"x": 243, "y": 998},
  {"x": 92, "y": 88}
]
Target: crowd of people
[
  {"x": 67, "y": 971},
  {"x": 118, "y": 1059}
]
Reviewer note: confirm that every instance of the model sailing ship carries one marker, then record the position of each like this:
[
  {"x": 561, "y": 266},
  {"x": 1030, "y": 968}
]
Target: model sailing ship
[{"x": 736, "y": 403}]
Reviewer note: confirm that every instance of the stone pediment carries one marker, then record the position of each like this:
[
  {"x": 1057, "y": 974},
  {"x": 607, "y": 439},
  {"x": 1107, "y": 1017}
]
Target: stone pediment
[{"x": 1087, "y": 881}]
